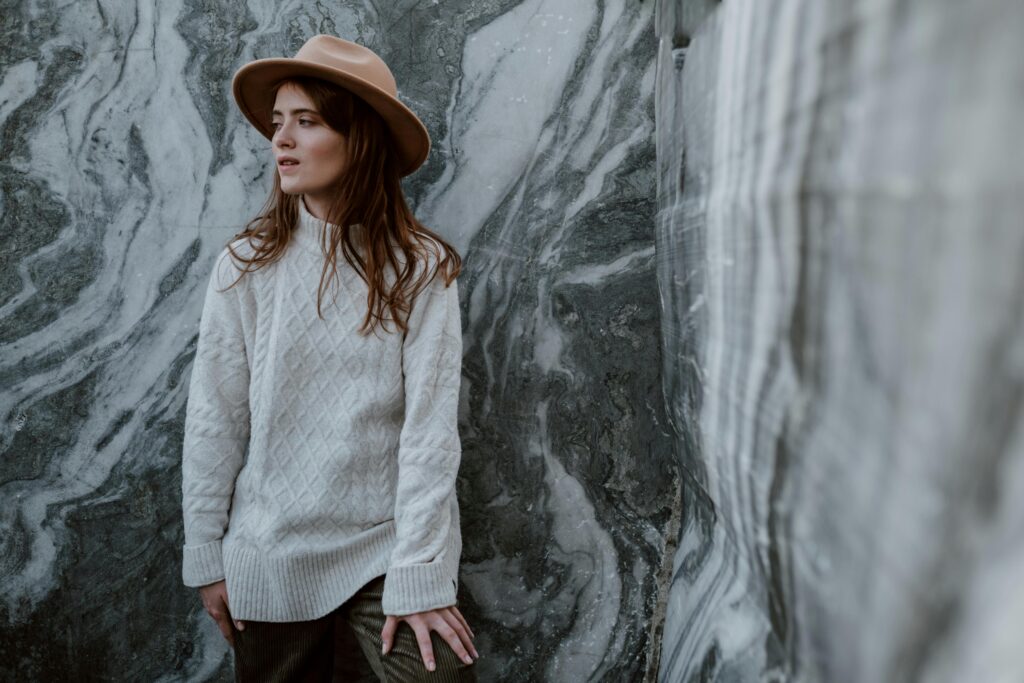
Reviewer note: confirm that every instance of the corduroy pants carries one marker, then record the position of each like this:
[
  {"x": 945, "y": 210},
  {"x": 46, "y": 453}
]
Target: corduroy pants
[{"x": 341, "y": 646}]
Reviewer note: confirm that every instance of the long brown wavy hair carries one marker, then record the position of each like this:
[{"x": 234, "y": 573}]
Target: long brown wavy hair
[{"x": 369, "y": 193}]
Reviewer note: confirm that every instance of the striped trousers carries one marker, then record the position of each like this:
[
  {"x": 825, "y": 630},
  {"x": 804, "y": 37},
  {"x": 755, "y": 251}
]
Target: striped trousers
[{"x": 343, "y": 645}]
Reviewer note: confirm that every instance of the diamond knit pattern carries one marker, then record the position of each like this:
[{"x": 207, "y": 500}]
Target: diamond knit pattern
[{"x": 316, "y": 458}]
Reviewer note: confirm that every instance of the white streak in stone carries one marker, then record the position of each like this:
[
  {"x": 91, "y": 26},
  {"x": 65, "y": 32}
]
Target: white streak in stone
[
  {"x": 19, "y": 82},
  {"x": 581, "y": 653},
  {"x": 493, "y": 140},
  {"x": 599, "y": 273}
]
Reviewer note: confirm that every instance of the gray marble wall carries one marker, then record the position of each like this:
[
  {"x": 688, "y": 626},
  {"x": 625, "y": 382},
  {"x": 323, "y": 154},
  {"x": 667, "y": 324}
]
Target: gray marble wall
[
  {"x": 126, "y": 167},
  {"x": 840, "y": 250}
]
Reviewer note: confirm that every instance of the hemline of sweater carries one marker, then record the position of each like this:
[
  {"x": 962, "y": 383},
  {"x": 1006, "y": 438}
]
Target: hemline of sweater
[{"x": 308, "y": 586}]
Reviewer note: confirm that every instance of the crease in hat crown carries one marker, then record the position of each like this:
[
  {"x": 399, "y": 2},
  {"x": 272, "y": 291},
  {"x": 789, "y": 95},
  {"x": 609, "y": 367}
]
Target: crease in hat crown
[
  {"x": 361, "y": 61},
  {"x": 347, "y": 64}
]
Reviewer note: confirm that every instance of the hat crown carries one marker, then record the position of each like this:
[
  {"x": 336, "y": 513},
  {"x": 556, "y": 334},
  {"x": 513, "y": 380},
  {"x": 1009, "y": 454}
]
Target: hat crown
[{"x": 344, "y": 55}]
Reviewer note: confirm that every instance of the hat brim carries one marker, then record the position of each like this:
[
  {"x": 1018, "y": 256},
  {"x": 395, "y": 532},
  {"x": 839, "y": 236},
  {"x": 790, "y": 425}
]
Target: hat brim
[{"x": 252, "y": 87}]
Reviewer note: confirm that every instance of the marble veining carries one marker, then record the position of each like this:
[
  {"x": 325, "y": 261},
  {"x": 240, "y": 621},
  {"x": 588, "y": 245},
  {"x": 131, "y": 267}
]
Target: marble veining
[
  {"x": 839, "y": 253},
  {"x": 126, "y": 167}
]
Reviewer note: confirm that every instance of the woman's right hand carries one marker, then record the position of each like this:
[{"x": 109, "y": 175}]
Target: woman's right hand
[{"x": 215, "y": 600}]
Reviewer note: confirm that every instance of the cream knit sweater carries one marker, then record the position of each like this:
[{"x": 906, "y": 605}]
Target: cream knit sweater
[{"x": 316, "y": 459}]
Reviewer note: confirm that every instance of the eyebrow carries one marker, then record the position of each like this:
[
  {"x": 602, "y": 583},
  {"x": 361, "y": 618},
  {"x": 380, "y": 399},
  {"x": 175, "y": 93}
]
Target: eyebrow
[{"x": 277, "y": 112}]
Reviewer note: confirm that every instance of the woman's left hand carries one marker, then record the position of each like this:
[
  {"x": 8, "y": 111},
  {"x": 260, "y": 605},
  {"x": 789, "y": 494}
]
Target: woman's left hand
[{"x": 447, "y": 621}]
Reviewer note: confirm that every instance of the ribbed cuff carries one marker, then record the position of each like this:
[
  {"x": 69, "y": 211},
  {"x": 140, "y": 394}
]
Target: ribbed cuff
[
  {"x": 417, "y": 588},
  {"x": 202, "y": 565}
]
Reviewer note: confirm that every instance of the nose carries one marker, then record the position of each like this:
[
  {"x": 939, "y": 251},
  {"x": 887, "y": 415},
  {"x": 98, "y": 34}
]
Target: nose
[{"x": 281, "y": 137}]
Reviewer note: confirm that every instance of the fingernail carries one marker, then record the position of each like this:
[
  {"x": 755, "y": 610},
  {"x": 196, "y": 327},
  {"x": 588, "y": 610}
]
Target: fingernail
[
  {"x": 467, "y": 659},
  {"x": 384, "y": 649},
  {"x": 430, "y": 665},
  {"x": 240, "y": 625}
]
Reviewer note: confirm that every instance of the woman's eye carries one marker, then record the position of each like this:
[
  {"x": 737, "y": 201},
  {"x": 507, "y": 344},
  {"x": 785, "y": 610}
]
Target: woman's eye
[{"x": 276, "y": 124}]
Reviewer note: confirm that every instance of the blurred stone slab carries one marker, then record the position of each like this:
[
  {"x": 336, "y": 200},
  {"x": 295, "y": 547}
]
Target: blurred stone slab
[{"x": 841, "y": 265}]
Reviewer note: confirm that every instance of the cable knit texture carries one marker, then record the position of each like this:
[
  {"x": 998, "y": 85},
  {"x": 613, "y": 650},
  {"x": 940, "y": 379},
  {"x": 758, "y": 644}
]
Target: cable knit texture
[{"x": 316, "y": 459}]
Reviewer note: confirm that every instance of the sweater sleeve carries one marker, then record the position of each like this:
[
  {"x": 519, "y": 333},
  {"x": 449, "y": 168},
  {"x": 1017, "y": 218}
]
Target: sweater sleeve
[
  {"x": 216, "y": 426},
  {"x": 428, "y": 455}
]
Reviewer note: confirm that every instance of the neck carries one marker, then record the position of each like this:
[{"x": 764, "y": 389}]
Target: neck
[
  {"x": 309, "y": 232},
  {"x": 316, "y": 206}
]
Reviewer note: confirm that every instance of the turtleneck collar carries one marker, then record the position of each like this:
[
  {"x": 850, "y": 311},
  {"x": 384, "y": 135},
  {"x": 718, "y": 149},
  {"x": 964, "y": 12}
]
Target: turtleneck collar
[{"x": 309, "y": 231}]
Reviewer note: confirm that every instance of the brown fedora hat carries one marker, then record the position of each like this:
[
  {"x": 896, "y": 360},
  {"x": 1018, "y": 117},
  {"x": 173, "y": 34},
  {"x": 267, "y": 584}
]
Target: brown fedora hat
[{"x": 349, "y": 65}]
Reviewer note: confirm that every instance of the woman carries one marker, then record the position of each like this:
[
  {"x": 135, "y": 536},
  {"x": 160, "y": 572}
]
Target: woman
[{"x": 321, "y": 447}]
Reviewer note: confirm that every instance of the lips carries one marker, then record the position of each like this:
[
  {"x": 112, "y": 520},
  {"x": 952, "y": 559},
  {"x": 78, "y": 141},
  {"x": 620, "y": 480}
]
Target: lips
[{"x": 287, "y": 164}]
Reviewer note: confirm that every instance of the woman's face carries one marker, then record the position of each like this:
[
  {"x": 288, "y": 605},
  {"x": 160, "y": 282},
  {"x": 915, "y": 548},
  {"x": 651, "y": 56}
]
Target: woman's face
[{"x": 300, "y": 134}]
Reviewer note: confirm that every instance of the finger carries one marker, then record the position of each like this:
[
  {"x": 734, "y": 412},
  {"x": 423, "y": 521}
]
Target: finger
[
  {"x": 225, "y": 612},
  {"x": 219, "y": 615},
  {"x": 387, "y": 634},
  {"x": 458, "y": 614},
  {"x": 460, "y": 629},
  {"x": 453, "y": 638},
  {"x": 211, "y": 607},
  {"x": 423, "y": 638},
  {"x": 462, "y": 620},
  {"x": 225, "y": 628},
  {"x": 222, "y": 614}
]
